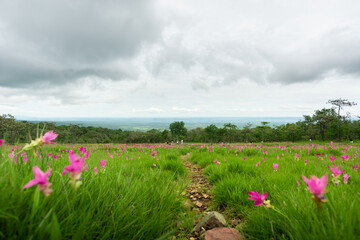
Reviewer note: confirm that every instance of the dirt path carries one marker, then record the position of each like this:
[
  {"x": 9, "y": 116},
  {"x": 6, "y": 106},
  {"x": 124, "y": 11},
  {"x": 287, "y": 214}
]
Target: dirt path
[{"x": 199, "y": 191}]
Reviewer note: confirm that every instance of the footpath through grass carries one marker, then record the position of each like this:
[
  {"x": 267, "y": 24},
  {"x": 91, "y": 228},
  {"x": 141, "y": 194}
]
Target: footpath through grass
[{"x": 134, "y": 191}]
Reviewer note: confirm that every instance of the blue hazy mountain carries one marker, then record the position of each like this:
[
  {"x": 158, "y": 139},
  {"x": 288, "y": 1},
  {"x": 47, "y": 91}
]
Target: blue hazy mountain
[{"x": 144, "y": 124}]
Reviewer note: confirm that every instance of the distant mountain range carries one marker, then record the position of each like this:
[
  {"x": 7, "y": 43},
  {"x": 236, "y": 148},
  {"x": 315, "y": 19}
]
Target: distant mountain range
[{"x": 144, "y": 124}]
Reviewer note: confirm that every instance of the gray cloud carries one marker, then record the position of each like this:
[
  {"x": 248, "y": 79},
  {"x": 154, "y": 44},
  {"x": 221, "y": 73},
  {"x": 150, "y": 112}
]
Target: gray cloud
[{"x": 59, "y": 41}]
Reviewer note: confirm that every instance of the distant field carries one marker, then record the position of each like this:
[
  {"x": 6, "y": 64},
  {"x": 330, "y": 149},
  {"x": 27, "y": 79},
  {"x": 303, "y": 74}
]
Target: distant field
[
  {"x": 134, "y": 191},
  {"x": 144, "y": 124}
]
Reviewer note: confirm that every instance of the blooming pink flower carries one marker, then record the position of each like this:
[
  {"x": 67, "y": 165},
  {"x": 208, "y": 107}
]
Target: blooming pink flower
[
  {"x": 344, "y": 157},
  {"x": 355, "y": 167},
  {"x": 346, "y": 177},
  {"x": 48, "y": 137},
  {"x": 306, "y": 161},
  {"x": 275, "y": 166},
  {"x": 76, "y": 166},
  {"x": 102, "y": 163},
  {"x": 25, "y": 159},
  {"x": 95, "y": 170},
  {"x": 153, "y": 165},
  {"x": 259, "y": 199},
  {"x": 297, "y": 155},
  {"x": 216, "y": 161},
  {"x": 332, "y": 158},
  {"x": 317, "y": 186},
  {"x": 336, "y": 170},
  {"x": 1, "y": 141},
  {"x": 42, "y": 179}
]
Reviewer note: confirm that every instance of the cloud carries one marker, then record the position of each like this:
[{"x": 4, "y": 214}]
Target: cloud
[
  {"x": 182, "y": 109},
  {"x": 59, "y": 41},
  {"x": 149, "y": 110},
  {"x": 262, "y": 43}
]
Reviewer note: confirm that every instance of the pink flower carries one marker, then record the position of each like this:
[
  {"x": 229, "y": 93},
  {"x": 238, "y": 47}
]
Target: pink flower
[
  {"x": 344, "y": 157},
  {"x": 275, "y": 166},
  {"x": 259, "y": 199},
  {"x": 102, "y": 163},
  {"x": 297, "y": 155},
  {"x": 42, "y": 179},
  {"x": 153, "y": 154},
  {"x": 317, "y": 186},
  {"x": 332, "y": 158},
  {"x": 1, "y": 141},
  {"x": 95, "y": 170},
  {"x": 306, "y": 161},
  {"x": 355, "y": 167},
  {"x": 258, "y": 164},
  {"x": 48, "y": 137},
  {"x": 346, "y": 177},
  {"x": 153, "y": 165},
  {"x": 76, "y": 166},
  {"x": 25, "y": 159},
  {"x": 336, "y": 170},
  {"x": 216, "y": 161},
  {"x": 255, "y": 196}
]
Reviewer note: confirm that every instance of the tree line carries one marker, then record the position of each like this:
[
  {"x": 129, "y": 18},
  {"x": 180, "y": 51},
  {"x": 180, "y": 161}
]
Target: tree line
[{"x": 324, "y": 124}]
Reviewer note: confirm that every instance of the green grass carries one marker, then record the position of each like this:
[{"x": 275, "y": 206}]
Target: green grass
[{"x": 131, "y": 199}]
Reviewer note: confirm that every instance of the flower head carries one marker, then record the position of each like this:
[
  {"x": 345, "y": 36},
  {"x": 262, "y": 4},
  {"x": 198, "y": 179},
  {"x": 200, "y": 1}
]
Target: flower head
[
  {"x": 259, "y": 199},
  {"x": 48, "y": 137},
  {"x": 76, "y": 166},
  {"x": 336, "y": 170},
  {"x": 355, "y": 167},
  {"x": 102, "y": 163},
  {"x": 317, "y": 187},
  {"x": 42, "y": 179},
  {"x": 216, "y": 161},
  {"x": 275, "y": 166},
  {"x": 346, "y": 177},
  {"x": 1, "y": 141}
]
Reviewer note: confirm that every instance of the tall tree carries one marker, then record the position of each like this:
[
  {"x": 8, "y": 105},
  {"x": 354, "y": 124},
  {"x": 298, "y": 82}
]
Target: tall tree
[
  {"x": 340, "y": 104},
  {"x": 178, "y": 129}
]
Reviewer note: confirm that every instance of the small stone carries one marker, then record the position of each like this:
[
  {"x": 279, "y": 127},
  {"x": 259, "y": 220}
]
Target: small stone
[
  {"x": 222, "y": 233},
  {"x": 212, "y": 220}
]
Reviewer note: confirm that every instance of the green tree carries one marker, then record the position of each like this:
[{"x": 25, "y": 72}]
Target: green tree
[
  {"x": 211, "y": 131},
  {"x": 178, "y": 129}
]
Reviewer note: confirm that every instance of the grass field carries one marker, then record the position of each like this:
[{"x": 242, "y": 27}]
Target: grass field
[{"x": 135, "y": 191}]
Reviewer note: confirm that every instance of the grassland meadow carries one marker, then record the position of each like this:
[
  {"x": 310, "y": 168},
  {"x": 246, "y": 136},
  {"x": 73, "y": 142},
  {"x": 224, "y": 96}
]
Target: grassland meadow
[{"x": 105, "y": 191}]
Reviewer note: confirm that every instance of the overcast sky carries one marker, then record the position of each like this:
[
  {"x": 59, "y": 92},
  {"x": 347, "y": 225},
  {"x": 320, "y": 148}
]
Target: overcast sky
[{"x": 77, "y": 58}]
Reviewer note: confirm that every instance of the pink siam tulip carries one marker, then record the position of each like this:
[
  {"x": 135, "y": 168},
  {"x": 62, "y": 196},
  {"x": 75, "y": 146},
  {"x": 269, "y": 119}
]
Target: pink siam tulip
[
  {"x": 346, "y": 177},
  {"x": 332, "y": 158},
  {"x": 75, "y": 168},
  {"x": 216, "y": 161},
  {"x": 45, "y": 139},
  {"x": 102, "y": 163},
  {"x": 355, "y": 167},
  {"x": 317, "y": 188},
  {"x": 42, "y": 179},
  {"x": 259, "y": 199},
  {"x": 1, "y": 142},
  {"x": 275, "y": 166},
  {"x": 344, "y": 157},
  {"x": 48, "y": 137},
  {"x": 95, "y": 170},
  {"x": 306, "y": 161},
  {"x": 336, "y": 174}
]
